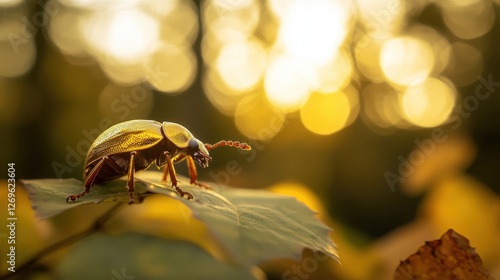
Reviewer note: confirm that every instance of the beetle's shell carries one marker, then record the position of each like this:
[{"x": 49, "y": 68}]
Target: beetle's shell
[
  {"x": 177, "y": 134},
  {"x": 127, "y": 136}
]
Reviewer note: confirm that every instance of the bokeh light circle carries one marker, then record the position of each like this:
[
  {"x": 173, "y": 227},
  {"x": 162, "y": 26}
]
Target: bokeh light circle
[
  {"x": 428, "y": 103},
  {"x": 288, "y": 82},
  {"x": 171, "y": 69},
  {"x": 314, "y": 30},
  {"x": 325, "y": 114},
  {"x": 256, "y": 118},
  {"x": 241, "y": 64},
  {"x": 406, "y": 60}
]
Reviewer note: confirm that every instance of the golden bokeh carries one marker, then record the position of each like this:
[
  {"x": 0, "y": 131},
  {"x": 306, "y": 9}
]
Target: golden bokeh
[
  {"x": 66, "y": 33},
  {"x": 16, "y": 61},
  {"x": 126, "y": 35},
  {"x": 468, "y": 19},
  {"x": 171, "y": 68},
  {"x": 466, "y": 63},
  {"x": 326, "y": 113},
  {"x": 178, "y": 20},
  {"x": 406, "y": 60},
  {"x": 133, "y": 41},
  {"x": 288, "y": 82},
  {"x": 335, "y": 74},
  {"x": 381, "y": 107},
  {"x": 285, "y": 51},
  {"x": 17, "y": 47},
  {"x": 313, "y": 31},
  {"x": 302, "y": 55},
  {"x": 224, "y": 98},
  {"x": 241, "y": 64},
  {"x": 440, "y": 46},
  {"x": 9, "y": 3},
  {"x": 257, "y": 119},
  {"x": 367, "y": 54},
  {"x": 428, "y": 103},
  {"x": 231, "y": 20},
  {"x": 353, "y": 89},
  {"x": 381, "y": 16},
  {"x": 124, "y": 74}
]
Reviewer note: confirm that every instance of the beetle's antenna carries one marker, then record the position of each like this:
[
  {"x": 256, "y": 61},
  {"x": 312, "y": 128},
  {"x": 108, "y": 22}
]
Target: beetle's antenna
[{"x": 229, "y": 143}]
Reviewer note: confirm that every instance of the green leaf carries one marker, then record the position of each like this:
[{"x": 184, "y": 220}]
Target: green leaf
[
  {"x": 251, "y": 225},
  {"x": 48, "y": 196},
  {"x": 139, "y": 256}
]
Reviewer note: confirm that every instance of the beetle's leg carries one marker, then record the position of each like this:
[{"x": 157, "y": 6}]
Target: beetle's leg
[
  {"x": 89, "y": 181},
  {"x": 165, "y": 169},
  {"x": 131, "y": 175},
  {"x": 193, "y": 174},
  {"x": 174, "y": 160},
  {"x": 169, "y": 169},
  {"x": 165, "y": 173}
]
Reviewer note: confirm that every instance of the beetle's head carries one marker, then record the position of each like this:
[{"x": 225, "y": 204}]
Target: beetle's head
[{"x": 197, "y": 150}]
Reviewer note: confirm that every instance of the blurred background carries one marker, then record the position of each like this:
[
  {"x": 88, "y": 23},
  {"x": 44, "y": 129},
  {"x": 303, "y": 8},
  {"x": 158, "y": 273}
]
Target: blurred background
[{"x": 381, "y": 115}]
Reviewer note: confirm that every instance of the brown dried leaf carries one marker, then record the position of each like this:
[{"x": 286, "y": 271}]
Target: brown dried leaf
[{"x": 450, "y": 257}]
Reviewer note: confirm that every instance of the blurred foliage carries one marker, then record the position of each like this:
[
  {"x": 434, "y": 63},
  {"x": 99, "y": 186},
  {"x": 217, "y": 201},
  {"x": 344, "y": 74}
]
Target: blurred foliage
[
  {"x": 331, "y": 94},
  {"x": 141, "y": 256}
]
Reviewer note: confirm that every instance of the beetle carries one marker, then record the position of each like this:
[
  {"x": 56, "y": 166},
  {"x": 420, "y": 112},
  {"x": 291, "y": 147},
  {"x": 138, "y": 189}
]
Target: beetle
[{"x": 131, "y": 146}]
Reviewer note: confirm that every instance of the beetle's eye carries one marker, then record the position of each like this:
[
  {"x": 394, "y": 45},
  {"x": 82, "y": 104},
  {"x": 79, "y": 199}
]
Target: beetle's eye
[{"x": 193, "y": 146}]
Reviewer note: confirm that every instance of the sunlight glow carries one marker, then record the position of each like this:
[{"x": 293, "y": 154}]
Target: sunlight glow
[
  {"x": 219, "y": 94},
  {"x": 288, "y": 82},
  {"x": 124, "y": 74},
  {"x": 325, "y": 114},
  {"x": 367, "y": 55},
  {"x": 131, "y": 35},
  {"x": 256, "y": 118},
  {"x": 406, "y": 60},
  {"x": 64, "y": 30},
  {"x": 225, "y": 5},
  {"x": 440, "y": 46},
  {"x": 163, "y": 8},
  {"x": 428, "y": 103},
  {"x": 314, "y": 30},
  {"x": 242, "y": 64},
  {"x": 126, "y": 36},
  {"x": 171, "y": 69},
  {"x": 279, "y": 7},
  {"x": 380, "y": 16},
  {"x": 335, "y": 74},
  {"x": 100, "y": 4},
  {"x": 9, "y": 3},
  {"x": 227, "y": 19}
]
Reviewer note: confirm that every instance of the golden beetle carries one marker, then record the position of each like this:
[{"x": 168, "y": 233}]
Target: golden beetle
[{"x": 134, "y": 145}]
